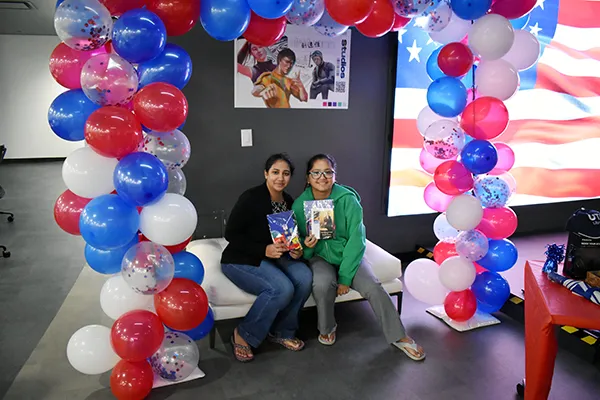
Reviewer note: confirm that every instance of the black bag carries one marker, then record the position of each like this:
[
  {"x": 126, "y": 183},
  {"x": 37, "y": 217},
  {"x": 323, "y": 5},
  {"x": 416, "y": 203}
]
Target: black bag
[{"x": 583, "y": 246}]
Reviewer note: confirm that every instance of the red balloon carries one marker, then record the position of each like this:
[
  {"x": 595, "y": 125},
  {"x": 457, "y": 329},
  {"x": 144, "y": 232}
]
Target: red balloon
[
  {"x": 176, "y": 248},
  {"x": 131, "y": 380},
  {"x": 179, "y": 16},
  {"x": 485, "y": 118},
  {"x": 67, "y": 209},
  {"x": 349, "y": 12},
  {"x": 380, "y": 21},
  {"x": 460, "y": 306},
  {"x": 512, "y": 9},
  {"x": 498, "y": 223},
  {"x": 113, "y": 132},
  {"x": 183, "y": 305},
  {"x": 160, "y": 106},
  {"x": 265, "y": 32},
  {"x": 66, "y": 64},
  {"x": 399, "y": 22},
  {"x": 120, "y": 7},
  {"x": 455, "y": 59},
  {"x": 444, "y": 249},
  {"x": 136, "y": 335},
  {"x": 453, "y": 178}
]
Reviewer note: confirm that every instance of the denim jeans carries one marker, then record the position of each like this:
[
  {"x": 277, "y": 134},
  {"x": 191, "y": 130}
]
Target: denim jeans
[{"x": 281, "y": 286}]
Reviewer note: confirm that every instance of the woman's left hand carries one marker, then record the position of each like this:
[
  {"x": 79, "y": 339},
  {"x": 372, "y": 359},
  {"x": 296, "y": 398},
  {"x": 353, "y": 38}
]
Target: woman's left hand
[
  {"x": 296, "y": 254},
  {"x": 342, "y": 289}
]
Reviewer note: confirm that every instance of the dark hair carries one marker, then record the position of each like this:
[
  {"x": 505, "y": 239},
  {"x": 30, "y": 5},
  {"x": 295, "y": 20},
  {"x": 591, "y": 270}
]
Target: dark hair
[
  {"x": 327, "y": 157},
  {"x": 279, "y": 157},
  {"x": 286, "y": 53}
]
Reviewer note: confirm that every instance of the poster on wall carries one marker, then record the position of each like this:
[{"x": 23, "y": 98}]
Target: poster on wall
[{"x": 305, "y": 69}]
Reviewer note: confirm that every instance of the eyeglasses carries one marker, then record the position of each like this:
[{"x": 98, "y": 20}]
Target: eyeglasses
[{"x": 317, "y": 174}]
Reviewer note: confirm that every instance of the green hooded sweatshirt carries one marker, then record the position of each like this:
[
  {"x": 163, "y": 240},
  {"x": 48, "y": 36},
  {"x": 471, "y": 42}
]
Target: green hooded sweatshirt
[{"x": 347, "y": 249}]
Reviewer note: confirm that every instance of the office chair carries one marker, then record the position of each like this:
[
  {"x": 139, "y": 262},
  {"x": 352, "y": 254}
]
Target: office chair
[{"x": 11, "y": 217}]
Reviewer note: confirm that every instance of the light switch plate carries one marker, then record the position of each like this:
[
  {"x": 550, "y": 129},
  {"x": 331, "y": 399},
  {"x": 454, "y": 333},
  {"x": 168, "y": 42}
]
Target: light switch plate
[{"x": 246, "y": 137}]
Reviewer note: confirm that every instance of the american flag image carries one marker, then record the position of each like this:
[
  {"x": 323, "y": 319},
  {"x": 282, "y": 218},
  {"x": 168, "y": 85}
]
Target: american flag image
[{"x": 555, "y": 116}]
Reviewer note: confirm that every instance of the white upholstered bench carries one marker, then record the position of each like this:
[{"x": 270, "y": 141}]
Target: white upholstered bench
[{"x": 230, "y": 302}]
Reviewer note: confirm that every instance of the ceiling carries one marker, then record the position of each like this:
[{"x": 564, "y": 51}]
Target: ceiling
[{"x": 27, "y": 17}]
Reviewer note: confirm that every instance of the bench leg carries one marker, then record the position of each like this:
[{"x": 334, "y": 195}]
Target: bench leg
[
  {"x": 212, "y": 337},
  {"x": 399, "y": 302}
]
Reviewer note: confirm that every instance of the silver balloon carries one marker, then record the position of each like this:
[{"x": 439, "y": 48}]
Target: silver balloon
[
  {"x": 177, "y": 181},
  {"x": 148, "y": 268},
  {"x": 177, "y": 358},
  {"x": 172, "y": 148}
]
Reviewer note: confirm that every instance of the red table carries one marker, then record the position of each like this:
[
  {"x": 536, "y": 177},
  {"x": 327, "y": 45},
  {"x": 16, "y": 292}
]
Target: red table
[{"x": 547, "y": 304}]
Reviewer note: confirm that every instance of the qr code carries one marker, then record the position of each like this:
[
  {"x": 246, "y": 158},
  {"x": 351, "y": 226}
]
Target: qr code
[{"x": 340, "y": 87}]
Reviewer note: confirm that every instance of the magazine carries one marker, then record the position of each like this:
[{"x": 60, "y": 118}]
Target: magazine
[
  {"x": 320, "y": 218},
  {"x": 284, "y": 229}
]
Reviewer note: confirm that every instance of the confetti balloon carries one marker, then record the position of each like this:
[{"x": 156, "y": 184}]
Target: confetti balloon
[
  {"x": 83, "y": 24},
  {"x": 410, "y": 8},
  {"x": 472, "y": 245},
  {"x": 148, "y": 268},
  {"x": 172, "y": 148},
  {"x": 443, "y": 230},
  {"x": 66, "y": 64},
  {"x": 442, "y": 129},
  {"x": 328, "y": 27},
  {"x": 492, "y": 191},
  {"x": 306, "y": 12},
  {"x": 447, "y": 147},
  {"x": 435, "y": 20},
  {"x": 177, "y": 358},
  {"x": 107, "y": 79}
]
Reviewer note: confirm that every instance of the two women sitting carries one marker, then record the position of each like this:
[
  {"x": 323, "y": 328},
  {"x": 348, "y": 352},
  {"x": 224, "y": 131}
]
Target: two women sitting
[{"x": 282, "y": 280}]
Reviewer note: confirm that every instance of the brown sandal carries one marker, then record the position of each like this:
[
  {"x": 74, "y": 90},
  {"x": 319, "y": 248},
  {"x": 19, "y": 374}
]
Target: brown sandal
[
  {"x": 293, "y": 344},
  {"x": 241, "y": 352}
]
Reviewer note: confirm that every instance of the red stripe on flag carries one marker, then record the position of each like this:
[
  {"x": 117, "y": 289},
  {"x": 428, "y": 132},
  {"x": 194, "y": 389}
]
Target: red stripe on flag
[
  {"x": 593, "y": 53},
  {"x": 579, "y": 13},
  {"x": 577, "y": 86}
]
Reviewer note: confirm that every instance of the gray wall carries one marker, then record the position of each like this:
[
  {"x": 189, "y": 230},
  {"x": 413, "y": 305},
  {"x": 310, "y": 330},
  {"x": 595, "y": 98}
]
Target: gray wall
[{"x": 220, "y": 169}]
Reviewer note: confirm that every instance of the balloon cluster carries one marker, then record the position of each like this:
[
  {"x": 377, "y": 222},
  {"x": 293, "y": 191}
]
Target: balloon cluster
[
  {"x": 125, "y": 187},
  {"x": 471, "y": 183}
]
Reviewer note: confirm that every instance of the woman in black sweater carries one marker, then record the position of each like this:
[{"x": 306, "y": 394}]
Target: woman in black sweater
[{"x": 281, "y": 282}]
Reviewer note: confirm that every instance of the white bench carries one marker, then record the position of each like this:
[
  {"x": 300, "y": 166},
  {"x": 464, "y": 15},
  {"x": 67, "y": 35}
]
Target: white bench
[{"x": 230, "y": 302}]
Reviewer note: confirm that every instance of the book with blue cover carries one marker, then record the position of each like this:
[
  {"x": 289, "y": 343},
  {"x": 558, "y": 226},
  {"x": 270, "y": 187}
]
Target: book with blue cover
[{"x": 284, "y": 229}]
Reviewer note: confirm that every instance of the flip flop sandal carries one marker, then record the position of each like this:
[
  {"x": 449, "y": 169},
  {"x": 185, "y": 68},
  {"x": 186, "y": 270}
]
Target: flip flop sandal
[
  {"x": 297, "y": 346},
  {"x": 328, "y": 340},
  {"x": 405, "y": 347},
  {"x": 246, "y": 349}
]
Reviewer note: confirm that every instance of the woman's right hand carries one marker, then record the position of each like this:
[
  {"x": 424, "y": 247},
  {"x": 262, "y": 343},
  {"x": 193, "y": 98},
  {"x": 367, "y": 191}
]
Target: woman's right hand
[
  {"x": 310, "y": 241},
  {"x": 275, "y": 250}
]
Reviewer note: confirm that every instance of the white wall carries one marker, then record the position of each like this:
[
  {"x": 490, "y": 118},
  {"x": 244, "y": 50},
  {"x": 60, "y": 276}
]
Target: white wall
[{"x": 26, "y": 91}]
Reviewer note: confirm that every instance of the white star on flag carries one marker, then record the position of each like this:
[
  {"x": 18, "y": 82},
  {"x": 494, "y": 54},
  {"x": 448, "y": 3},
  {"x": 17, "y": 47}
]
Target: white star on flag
[
  {"x": 400, "y": 33},
  {"x": 414, "y": 52},
  {"x": 540, "y": 4},
  {"x": 535, "y": 29}
]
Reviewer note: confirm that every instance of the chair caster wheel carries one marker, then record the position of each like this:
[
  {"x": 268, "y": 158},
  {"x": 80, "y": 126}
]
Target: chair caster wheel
[
  {"x": 11, "y": 218},
  {"x": 6, "y": 254}
]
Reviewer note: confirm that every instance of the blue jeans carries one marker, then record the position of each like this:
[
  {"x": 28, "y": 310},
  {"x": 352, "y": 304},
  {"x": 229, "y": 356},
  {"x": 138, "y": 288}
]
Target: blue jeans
[{"x": 281, "y": 286}]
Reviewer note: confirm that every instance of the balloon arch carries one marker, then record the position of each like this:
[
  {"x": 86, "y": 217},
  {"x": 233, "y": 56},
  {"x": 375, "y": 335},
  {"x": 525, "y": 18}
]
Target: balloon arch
[{"x": 125, "y": 187}]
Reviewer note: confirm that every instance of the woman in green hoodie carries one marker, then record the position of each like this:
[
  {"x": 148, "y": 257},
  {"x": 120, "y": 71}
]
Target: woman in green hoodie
[{"x": 338, "y": 263}]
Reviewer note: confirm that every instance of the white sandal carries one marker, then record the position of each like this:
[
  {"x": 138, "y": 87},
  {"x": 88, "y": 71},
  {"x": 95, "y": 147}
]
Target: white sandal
[
  {"x": 406, "y": 346},
  {"x": 328, "y": 340}
]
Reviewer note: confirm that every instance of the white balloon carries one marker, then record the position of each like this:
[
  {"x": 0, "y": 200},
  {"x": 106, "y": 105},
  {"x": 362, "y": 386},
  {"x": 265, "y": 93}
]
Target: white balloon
[
  {"x": 497, "y": 78},
  {"x": 442, "y": 129},
  {"x": 88, "y": 174},
  {"x": 464, "y": 212},
  {"x": 524, "y": 52},
  {"x": 117, "y": 298},
  {"x": 457, "y": 273},
  {"x": 169, "y": 221},
  {"x": 427, "y": 117},
  {"x": 442, "y": 229},
  {"x": 491, "y": 37},
  {"x": 455, "y": 31},
  {"x": 177, "y": 181},
  {"x": 89, "y": 350},
  {"x": 422, "y": 281}
]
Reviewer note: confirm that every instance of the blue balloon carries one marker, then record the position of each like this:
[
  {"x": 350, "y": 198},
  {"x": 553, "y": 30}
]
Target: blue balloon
[
  {"x": 107, "y": 261},
  {"x": 107, "y": 222},
  {"x": 492, "y": 191},
  {"x": 520, "y": 23},
  {"x": 479, "y": 156},
  {"x": 173, "y": 66},
  {"x": 491, "y": 290},
  {"x": 188, "y": 266},
  {"x": 432, "y": 67},
  {"x": 139, "y": 35},
  {"x": 271, "y": 9},
  {"x": 502, "y": 255},
  {"x": 470, "y": 9},
  {"x": 447, "y": 97},
  {"x": 69, "y": 112},
  {"x": 140, "y": 179},
  {"x": 203, "y": 329},
  {"x": 225, "y": 20}
]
